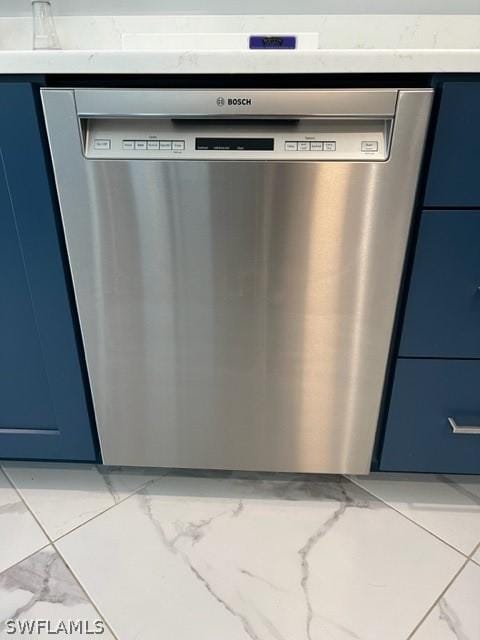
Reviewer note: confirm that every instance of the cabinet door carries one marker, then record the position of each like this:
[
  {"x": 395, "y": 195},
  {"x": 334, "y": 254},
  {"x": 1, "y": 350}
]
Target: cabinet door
[
  {"x": 442, "y": 317},
  {"x": 454, "y": 168},
  {"x": 44, "y": 410},
  {"x": 418, "y": 434}
]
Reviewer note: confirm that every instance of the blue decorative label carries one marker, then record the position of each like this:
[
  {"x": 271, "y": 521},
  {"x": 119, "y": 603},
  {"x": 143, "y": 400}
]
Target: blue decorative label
[{"x": 273, "y": 42}]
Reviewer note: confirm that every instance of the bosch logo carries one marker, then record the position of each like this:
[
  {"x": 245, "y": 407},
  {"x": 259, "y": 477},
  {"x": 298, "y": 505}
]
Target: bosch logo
[
  {"x": 239, "y": 102},
  {"x": 234, "y": 102}
]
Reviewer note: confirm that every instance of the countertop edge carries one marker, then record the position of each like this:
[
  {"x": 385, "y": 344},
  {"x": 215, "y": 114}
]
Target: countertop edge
[{"x": 327, "y": 61}]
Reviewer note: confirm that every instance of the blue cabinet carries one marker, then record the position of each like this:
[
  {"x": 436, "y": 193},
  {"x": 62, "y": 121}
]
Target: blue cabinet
[
  {"x": 44, "y": 403},
  {"x": 437, "y": 373},
  {"x": 442, "y": 317},
  {"x": 453, "y": 179},
  {"x": 425, "y": 394}
]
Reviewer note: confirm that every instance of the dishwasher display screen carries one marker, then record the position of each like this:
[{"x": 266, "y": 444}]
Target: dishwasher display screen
[{"x": 234, "y": 144}]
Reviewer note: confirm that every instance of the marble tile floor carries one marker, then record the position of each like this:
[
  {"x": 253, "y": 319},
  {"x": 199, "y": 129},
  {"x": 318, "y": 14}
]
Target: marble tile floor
[{"x": 147, "y": 554}]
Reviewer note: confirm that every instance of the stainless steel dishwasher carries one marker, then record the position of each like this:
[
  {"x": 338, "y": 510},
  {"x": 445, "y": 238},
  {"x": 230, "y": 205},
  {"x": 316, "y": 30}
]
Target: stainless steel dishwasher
[{"x": 236, "y": 259}]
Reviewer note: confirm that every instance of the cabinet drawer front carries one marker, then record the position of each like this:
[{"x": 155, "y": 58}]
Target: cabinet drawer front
[
  {"x": 442, "y": 317},
  {"x": 418, "y": 436},
  {"x": 454, "y": 168}
]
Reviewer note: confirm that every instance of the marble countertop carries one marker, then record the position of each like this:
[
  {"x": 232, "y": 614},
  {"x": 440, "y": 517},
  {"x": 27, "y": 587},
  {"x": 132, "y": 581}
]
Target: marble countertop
[{"x": 181, "y": 44}]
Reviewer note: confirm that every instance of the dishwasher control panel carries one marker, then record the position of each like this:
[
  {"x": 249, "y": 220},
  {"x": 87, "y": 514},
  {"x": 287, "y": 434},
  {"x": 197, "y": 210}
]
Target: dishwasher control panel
[{"x": 240, "y": 139}]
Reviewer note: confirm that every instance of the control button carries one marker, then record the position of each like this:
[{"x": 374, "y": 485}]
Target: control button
[
  {"x": 140, "y": 144},
  {"x": 166, "y": 145},
  {"x": 329, "y": 146},
  {"x": 291, "y": 146},
  {"x": 316, "y": 146},
  {"x": 102, "y": 143},
  {"x": 178, "y": 145},
  {"x": 369, "y": 145},
  {"x": 129, "y": 144},
  {"x": 304, "y": 146},
  {"x": 153, "y": 144}
]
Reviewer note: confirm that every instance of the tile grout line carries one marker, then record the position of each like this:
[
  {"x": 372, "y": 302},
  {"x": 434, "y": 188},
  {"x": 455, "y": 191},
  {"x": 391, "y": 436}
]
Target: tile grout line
[
  {"x": 22, "y": 501},
  {"x": 420, "y": 526},
  {"x": 9, "y": 481},
  {"x": 14, "y": 487},
  {"x": 45, "y": 546},
  {"x": 112, "y": 506},
  {"x": 52, "y": 544},
  {"x": 477, "y": 562},
  {"x": 100, "y": 513},
  {"x": 432, "y": 607},
  {"x": 90, "y": 599}
]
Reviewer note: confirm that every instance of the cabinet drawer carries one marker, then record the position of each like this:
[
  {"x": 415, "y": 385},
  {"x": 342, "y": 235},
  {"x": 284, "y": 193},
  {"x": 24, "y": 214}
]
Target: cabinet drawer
[
  {"x": 418, "y": 436},
  {"x": 442, "y": 317},
  {"x": 453, "y": 174}
]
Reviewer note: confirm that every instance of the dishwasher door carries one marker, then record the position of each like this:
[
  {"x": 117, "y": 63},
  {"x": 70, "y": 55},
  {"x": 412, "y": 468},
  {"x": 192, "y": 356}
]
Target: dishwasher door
[{"x": 236, "y": 259}]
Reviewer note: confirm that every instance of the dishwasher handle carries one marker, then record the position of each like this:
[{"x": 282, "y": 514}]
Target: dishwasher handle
[{"x": 256, "y": 103}]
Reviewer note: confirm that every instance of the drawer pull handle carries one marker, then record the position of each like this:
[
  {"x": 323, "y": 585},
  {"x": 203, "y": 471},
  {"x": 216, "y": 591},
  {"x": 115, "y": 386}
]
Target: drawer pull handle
[{"x": 456, "y": 428}]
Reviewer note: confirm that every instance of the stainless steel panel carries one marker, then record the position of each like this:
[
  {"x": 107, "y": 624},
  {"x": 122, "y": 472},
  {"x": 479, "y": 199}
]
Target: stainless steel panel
[
  {"x": 263, "y": 102},
  {"x": 237, "y": 315}
]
